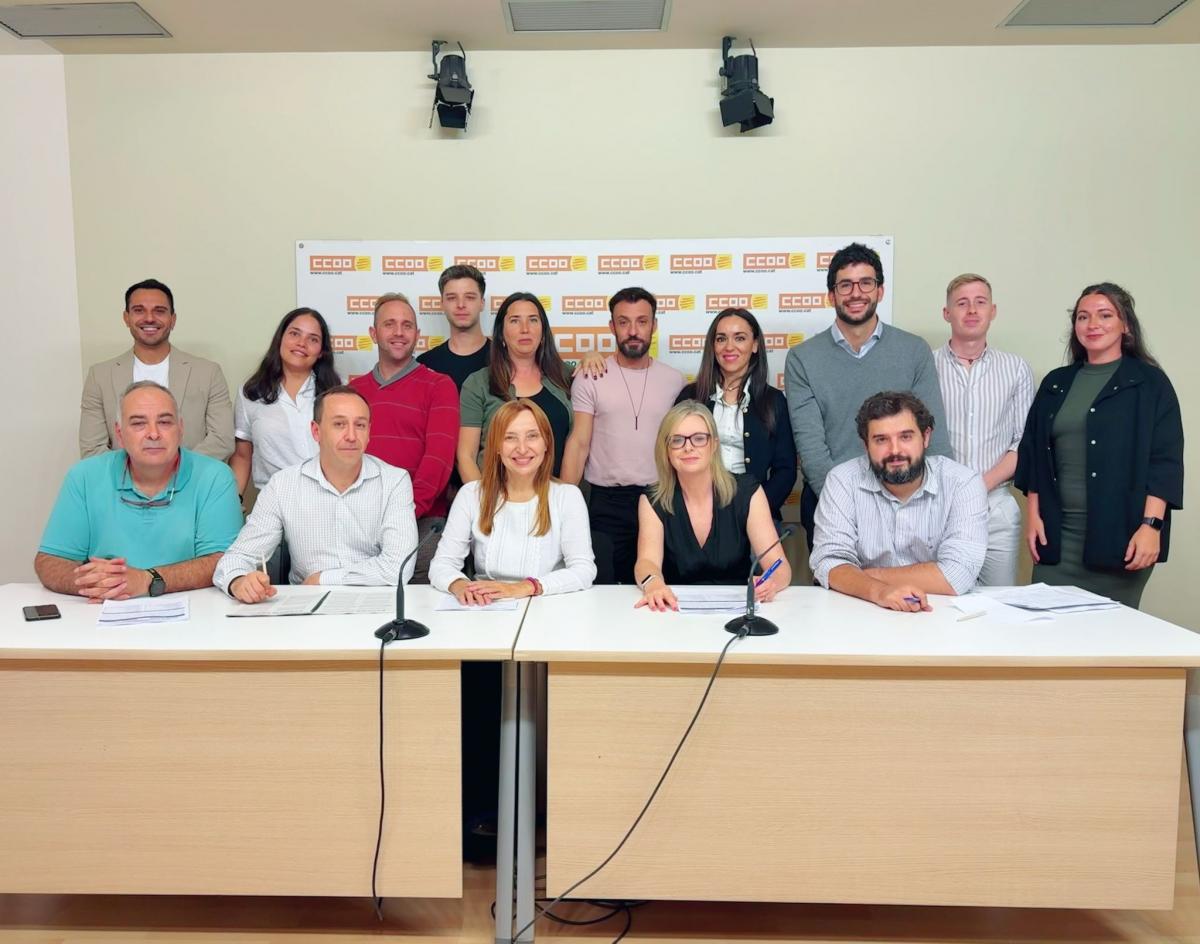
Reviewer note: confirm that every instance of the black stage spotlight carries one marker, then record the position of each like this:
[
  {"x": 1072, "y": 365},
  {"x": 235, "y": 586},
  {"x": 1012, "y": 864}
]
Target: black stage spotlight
[
  {"x": 453, "y": 97},
  {"x": 742, "y": 102}
]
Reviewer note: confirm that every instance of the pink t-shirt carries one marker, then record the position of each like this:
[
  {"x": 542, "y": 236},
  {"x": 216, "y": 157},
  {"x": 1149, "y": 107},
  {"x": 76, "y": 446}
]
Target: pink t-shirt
[{"x": 622, "y": 450}]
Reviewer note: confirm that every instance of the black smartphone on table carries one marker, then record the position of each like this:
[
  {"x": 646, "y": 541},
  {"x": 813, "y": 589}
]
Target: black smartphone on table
[{"x": 43, "y": 611}]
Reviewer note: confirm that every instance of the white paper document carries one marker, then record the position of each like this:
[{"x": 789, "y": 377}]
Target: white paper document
[
  {"x": 696, "y": 598},
  {"x": 972, "y": 605},
  {"x": 348, "y": 601},
  {"x": 164, "y": 609},
  {"x": 287, "y": 602},
  {"x": 448, "y": 601},
  {"x": 1040, "y": 596}
]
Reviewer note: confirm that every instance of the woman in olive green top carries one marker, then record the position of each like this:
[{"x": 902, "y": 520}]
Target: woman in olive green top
[
  {"x": 523, "y": 362},
  {"x": 1101, "y": 459}
]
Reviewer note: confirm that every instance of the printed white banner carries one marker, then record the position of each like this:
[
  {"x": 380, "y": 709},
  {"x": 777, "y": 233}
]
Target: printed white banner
[{"x": 781, "y": 280}]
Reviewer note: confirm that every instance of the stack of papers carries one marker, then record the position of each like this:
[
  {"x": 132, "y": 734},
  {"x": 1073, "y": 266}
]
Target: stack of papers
[
  {"x": 709, "y": 599},
  {"x": 306, "y": 601},
  {"x": 165, "y": 609},
  {"x": 1044, "y": 598},
  {"x": 972, "y": 605}
]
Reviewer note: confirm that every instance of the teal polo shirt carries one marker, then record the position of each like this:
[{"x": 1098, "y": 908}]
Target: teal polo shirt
[{"x": 90, "y": 520}]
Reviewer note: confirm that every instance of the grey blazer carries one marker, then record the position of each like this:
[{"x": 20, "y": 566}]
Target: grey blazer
[{"x": 199, "y": 388}]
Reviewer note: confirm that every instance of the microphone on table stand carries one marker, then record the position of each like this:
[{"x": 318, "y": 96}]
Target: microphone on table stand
[
  {"x": 748, "y": 624},
  {"x": 401, "y": 628}
]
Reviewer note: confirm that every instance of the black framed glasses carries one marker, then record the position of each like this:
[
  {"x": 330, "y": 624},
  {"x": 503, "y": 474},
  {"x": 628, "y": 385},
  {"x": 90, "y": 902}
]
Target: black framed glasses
[
  {"x": 846, "y": 286},
  {"x": 698, "y": 440}
]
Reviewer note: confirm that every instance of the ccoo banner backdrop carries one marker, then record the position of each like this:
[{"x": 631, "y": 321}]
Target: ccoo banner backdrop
[{"x": 780, "y": 280}]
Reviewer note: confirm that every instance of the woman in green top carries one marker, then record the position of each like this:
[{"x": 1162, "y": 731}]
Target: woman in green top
[
  {"x": 1101, "y": 459},
  {"x": 523, "y": 362}
]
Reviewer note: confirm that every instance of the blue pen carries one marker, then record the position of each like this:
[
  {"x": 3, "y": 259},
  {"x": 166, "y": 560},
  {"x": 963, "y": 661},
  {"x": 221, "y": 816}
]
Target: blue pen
[
  {"x": 767, "y": 576},
  {"x": 912, "y": 599}
]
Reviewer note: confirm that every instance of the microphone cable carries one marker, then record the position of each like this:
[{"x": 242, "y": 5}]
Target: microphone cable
[
  {"x": 653, "y": 793},
  {"x": 376, "y": 899}
]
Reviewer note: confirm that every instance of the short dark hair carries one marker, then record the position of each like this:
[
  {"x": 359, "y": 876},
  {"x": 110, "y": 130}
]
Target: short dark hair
[
  {"x": 887, "y": 403},
  {"x": 854, "y": 254},
  {"x": 150, "y": 284},
  {"x": 461, "y": 272},
  {"x": 319, "y": 403},
  {"x": 635, "y": 293}
]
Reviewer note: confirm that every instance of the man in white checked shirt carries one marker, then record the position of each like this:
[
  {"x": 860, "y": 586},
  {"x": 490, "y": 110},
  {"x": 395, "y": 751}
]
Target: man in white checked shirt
[
  {"x": 987, "y": 394},
  {"x": 896, "y": 524},
  {"x": 348, "y": 517}
]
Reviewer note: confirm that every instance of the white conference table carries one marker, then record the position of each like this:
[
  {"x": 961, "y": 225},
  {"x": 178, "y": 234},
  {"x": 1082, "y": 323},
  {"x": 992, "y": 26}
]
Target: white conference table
[
  {"x": 859, "y": 756},
  {"x": 227, "y": 756}
]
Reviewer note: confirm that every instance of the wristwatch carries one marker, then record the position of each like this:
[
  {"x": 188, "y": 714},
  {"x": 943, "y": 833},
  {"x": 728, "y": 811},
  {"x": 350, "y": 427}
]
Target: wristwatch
[
  {"x": 1155, "y": 523},
  {"x": 158, "y": 586}
]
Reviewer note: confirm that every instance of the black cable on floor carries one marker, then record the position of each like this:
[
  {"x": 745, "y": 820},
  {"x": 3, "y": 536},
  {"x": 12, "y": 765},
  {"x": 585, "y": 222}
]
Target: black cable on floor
[{"x": 653, "y": 793}]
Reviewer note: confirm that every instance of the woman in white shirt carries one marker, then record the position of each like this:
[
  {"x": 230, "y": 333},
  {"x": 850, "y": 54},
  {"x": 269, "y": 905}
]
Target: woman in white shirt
[
  {"x": 529, "y": 535},
  {"x": 272, "y": 415}
]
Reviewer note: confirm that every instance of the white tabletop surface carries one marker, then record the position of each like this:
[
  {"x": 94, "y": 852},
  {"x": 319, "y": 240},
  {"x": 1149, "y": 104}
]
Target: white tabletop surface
[
  {"x": 821, "y": 627},
  {"x": 210, "y": 635}
]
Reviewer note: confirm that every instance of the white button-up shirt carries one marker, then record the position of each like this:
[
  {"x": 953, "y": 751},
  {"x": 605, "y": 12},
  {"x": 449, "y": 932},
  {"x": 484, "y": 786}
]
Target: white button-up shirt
[
  {"x": 356, "y": 537},
  {"x": 281, "y": 432},
  {"x": 731, "y": 428},
  {"x": 944, "y": 522}
]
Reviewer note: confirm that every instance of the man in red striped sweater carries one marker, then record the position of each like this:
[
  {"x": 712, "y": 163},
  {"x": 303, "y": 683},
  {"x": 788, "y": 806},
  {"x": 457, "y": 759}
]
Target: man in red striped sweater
[{"x": 414, "y": 415}]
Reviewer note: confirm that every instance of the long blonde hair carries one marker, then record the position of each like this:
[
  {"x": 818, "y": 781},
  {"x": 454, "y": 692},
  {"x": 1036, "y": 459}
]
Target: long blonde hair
[
  {"x": 493, "y": 485},
  {"x": 662, "y": 492}
]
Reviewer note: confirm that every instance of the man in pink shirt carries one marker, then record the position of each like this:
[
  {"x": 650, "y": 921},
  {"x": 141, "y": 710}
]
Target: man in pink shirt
[
  {"x": 616, "y": 423},
  {"x": 414, "y": 415}
]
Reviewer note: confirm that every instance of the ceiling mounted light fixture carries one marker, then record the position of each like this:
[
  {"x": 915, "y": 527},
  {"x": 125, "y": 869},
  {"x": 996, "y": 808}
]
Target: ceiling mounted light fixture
[
  {"x": 454, "y": 96},
  {"x": 742, "y": 101}
]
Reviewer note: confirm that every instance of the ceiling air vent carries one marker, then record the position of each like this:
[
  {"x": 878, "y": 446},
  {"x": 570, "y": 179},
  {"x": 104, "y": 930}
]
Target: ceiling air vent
[
  {"x": 1092, "y": 12},
  {"x": 63, "y": 20},
  {"x": 586, "y": 16}
]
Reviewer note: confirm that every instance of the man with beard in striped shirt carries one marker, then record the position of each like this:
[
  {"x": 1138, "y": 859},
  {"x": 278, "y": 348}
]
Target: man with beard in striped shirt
[{"x": 986, "y": 394}]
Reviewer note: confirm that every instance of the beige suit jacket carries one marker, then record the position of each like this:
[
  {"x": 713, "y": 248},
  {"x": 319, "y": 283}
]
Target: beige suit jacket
[{"x": 199, "y": 388}]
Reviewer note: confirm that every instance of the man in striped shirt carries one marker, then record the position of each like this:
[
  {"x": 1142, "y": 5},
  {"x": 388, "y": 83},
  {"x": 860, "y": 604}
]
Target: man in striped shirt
[
  {"x": 987, "y": 394},
  {"x": 896, "y": 524}
]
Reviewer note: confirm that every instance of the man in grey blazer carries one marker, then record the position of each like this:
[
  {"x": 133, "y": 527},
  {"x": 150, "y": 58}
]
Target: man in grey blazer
[{"x": 197, "y": 384}]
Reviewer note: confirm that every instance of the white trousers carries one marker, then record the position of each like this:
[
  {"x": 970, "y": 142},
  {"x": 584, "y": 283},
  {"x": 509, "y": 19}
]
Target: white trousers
[{"x": 1004, "y": 540}]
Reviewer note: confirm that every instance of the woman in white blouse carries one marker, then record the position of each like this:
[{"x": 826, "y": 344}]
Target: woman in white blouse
[
  {"x": 529, "y": 535},
  {"x": 272, "y": 415}
]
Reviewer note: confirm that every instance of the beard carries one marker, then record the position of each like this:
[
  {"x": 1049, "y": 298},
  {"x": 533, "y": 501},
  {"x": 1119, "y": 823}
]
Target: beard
[
  {"x": 843, "y": 315},
  {"x": 900, "y": 476},
  {"x": 633, "y": 348}
]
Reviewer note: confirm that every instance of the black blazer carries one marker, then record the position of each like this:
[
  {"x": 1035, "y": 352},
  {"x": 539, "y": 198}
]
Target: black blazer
[
  {"x": 1135, "y": 433},
  {"x": 769, "y": 458}
]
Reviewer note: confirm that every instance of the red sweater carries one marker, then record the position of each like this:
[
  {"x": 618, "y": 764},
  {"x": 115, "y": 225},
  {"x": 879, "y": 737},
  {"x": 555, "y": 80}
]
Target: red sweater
[{"x": 414, "y": 425}]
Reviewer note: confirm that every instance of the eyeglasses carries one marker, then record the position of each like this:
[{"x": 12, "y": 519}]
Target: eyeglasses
[
  {"x": 698, "y": 440},
  {"x": 151, "y": 502},
  {"x": 846, "y": 286}
]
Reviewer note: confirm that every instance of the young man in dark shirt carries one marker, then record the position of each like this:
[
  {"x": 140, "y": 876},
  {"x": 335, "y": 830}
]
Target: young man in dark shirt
[{"x": 466, "y": 350}]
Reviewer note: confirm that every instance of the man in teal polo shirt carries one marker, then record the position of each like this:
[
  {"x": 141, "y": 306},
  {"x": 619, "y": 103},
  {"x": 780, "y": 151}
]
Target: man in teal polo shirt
[{"x": 146, "y": 519}]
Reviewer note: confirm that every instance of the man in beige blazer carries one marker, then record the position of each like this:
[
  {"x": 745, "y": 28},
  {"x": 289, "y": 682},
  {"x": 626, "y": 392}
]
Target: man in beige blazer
[{"x": 197, "y": 384}]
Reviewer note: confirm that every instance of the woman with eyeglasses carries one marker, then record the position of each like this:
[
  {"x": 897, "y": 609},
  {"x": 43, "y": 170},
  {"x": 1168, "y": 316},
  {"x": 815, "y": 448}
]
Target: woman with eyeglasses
[
  {"x": 272, "y": 415},
  {"x": 1101, "y": 460},
  {"x": 698, "y": 524},
  {"x": 753, "y": 426},
  {"x": 523, "y": 362}
]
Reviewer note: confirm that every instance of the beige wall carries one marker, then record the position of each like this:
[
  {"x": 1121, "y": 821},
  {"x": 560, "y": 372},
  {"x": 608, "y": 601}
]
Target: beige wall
[
  {"x": 40, "y": 381},
  {"x": 1045, "y": 168}
]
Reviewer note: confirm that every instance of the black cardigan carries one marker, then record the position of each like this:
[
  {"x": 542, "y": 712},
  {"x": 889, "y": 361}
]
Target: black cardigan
[
  {"x": 770, "y": 459},
  {"x": 1135, "y": 433}
]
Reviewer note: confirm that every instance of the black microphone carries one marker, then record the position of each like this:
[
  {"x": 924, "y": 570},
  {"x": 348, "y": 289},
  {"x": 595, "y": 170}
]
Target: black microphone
[
  {"x": 401, "y": 628},
  {"x": 748, "y": 624}
]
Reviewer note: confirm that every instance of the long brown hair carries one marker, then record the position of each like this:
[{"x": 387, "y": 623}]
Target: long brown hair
[
  {"x": 546, "y": 356},
  {"x": 1132, "y": 342},
  {"x": 493, "y": 485}
]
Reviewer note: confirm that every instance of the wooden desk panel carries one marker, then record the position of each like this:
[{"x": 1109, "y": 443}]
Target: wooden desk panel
[
  {"x": 232, "y": 778},
  {"x": 1016, "y": 787}
]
